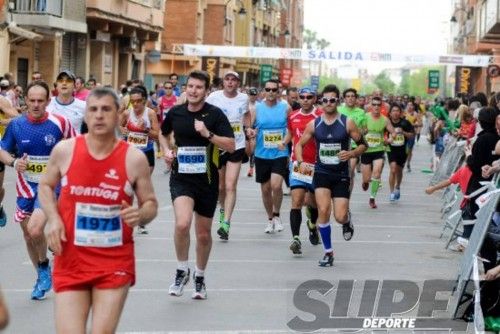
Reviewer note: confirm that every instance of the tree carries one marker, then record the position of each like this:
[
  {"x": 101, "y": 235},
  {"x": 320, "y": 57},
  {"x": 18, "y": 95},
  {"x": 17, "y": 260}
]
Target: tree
[
  {"x": 385, "y": 83},
  {"x": 404, "y": 86},
  {"x": 321, "y": 44},
  {"x": 309, "y": 38}
]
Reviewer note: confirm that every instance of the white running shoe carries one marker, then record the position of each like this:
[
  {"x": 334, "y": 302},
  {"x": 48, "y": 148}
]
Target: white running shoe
[
  {"x": 278, "y": 226},
  {"x": 269, "y": 227}
]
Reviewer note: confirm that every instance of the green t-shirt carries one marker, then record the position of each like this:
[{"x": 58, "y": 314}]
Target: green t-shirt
[
  {"x": 375, "y": 133},
  {"x": 358, "y": 116}
]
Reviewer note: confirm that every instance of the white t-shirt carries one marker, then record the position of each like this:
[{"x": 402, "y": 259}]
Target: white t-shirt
[
  {"x": 234, "y": 108},
  {"x": 74, "y": 111}
]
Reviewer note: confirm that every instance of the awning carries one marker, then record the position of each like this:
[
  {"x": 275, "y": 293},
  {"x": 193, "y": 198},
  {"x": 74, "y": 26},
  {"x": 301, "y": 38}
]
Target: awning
[{"x": 25, "y": 33}]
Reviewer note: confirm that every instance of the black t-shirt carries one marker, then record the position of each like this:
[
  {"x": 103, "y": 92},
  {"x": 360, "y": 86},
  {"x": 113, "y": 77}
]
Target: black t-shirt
[
  {"x": 181, "y": 121},
  {"x": 406, "y": 127}
]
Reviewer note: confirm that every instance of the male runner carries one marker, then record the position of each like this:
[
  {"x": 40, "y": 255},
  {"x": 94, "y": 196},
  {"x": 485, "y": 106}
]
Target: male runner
[
  {"x": 235, "y": 106},
  {"x": 332, "y": 133},
  {"x": 90, "y": 226},
  {"x": 199, "y": 129}
]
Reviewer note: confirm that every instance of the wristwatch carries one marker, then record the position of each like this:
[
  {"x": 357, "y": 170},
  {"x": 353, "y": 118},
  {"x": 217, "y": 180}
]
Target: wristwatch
[{"x": 210, "y": 135}]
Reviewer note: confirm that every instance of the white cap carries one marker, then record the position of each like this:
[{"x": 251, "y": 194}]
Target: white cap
[{"x": 233, "y": 73}]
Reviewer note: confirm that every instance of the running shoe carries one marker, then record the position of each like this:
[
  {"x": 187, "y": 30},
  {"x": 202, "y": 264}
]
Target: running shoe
[
  {"x": 327, "y": 260},
  {"x": 372, "y": 203},
  {"x": 181, "y": 279},
  {"x": 141, "y": 229},
  {"x": 313, "y": 233},
  {"x": 408, "y": 168},
  {"x": 3, "y": 217},
  {"x": 397, "y": 194},
  {"x": 222, "y": 217},
  {"x": 200, "y": 291},
  {"x": 223, "y": 231},
  {"x": 44, "y": 278},
  {"x": 392, "y": 197},
  {"x": 296, "y": 246},
  {"x": 278, "y": 226},
  {"x": 37, "y": 293},
  {"x": 347, "y": 230},
  {"x": 365, "y": 186},
  {"x": 269, "y": 227}
]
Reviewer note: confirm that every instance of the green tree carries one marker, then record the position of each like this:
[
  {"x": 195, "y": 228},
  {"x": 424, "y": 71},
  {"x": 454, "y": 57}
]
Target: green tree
[
  {"x": 385, "y": 83},
  {"x": 404, "y": 86},
  {"x": 367, "y": 88},
  {"x": 309, "y": 38}
]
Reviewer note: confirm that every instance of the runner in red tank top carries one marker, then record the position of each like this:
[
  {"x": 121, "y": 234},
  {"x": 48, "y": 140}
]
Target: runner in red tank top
[{"x": 90, "y": 228}]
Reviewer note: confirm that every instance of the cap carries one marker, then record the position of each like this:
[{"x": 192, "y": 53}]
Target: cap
[
  {"x": 4, "y": 83},
  {"x": 253, "y": 91},
  {"x": 233, "y": 73},
  {"x": 68, "y": 73},
  {"x": 307, "y": 90}
]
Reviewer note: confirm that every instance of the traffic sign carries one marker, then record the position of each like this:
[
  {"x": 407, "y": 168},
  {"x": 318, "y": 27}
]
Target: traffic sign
[{"x": 433, "y": 82}]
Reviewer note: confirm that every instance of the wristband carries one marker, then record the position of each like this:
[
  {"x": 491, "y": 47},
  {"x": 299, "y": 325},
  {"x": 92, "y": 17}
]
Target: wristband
[{"x": 210, "y": 135}]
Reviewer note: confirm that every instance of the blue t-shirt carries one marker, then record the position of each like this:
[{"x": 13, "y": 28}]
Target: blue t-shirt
[{"x": 271, "y": 123}]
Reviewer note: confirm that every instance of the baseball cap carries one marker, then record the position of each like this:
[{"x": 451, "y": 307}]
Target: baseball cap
[
  {"x": 307, "y": 90},
  {"x": 253, "y": 91},
  {"x": 233, "y": 73},
  {"x": 4, "y": 83},
  {"x": 67, "y": 73}
]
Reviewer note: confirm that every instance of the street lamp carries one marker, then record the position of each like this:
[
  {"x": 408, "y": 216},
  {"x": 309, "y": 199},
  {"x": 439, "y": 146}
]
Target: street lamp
[{"x": 242, "y": 11}]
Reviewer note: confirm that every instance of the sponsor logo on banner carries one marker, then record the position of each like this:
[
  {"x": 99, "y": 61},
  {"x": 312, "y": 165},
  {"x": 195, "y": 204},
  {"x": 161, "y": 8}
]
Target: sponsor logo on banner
[
  {"x": 211, "y": 66},
  {"x": 463, "y": 80}
]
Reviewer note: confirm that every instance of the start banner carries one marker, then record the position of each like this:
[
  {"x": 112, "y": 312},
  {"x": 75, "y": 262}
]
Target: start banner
[{"x": 334, "y": 55}]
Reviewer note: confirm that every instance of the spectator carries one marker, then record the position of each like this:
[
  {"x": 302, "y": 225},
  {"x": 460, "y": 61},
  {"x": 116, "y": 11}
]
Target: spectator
[{"x": 81, "y": 92}]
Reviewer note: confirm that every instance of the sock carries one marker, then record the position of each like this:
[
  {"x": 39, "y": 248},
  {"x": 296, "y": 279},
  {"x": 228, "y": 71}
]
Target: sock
[
  {"x": 276, "y": 214},
  {"x": 182, "y": 265},
  {"x": 374, "y": 188},
  {"x": 325, "y": 230},
  {"x": 198, "y": 272},
  {"x": 43, "y": 264},
  {"x": 295, "y": 221},
  {"x": 314, "y": 215}
]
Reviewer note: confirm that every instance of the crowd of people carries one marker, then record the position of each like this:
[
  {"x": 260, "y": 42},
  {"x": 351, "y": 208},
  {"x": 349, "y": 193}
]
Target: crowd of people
[{"x": 82, "y": 152}]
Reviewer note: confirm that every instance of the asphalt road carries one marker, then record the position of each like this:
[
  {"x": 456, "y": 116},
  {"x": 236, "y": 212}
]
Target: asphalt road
[{"x": 251, "y": 280}]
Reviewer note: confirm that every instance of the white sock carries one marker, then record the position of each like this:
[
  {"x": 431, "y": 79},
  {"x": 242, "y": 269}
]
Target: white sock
[
  {"x": 182, "y": 265},
  {"x": 198, "y": 272}
]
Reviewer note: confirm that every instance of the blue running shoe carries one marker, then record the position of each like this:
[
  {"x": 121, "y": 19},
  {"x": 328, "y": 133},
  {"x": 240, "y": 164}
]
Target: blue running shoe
[
  {"x": 397, "y": 194},
  {"x": 37, "y": 293},
  {"x": 44, "y": 278},
  {"x": 3, "y": 217}
]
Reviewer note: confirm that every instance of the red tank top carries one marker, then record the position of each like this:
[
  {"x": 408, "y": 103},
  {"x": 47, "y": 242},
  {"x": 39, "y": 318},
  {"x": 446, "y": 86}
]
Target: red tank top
[{"x": 89, "y": 204}]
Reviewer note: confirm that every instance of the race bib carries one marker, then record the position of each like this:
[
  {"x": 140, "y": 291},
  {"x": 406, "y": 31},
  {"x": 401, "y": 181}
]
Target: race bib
[
  {"x": 399, "y": 140},
  {"x": 138, "y": 139},
  {"x": 307, "y": 172},
  {"x": 37, "y": 165},
  {"x": 98, "y": 225},
  {"x": 328, "y": 153},
  {"x": 374, "y": 139},
  {"x": 237, "y": 128},
  {"x": 192, "y": 160},
  {"x": 272, "y": 138}
]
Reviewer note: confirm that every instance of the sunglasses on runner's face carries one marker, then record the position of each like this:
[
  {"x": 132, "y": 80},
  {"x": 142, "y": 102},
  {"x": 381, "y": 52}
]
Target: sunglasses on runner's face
[
  {"x": 306, "y": 97},
  {"x": 332, "y": 100},
  {"x": 274, "y": 90}
]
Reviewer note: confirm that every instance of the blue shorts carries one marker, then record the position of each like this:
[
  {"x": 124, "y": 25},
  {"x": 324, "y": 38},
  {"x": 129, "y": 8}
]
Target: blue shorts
[
  {"x": 26, "y": 206},
  {"x": 410, "y": 143},
  {"x": 294, "y": 183}
]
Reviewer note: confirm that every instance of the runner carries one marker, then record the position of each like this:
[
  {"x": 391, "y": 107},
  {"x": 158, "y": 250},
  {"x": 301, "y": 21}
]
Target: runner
[
  {"x": 372, "y": 161},
  {"x": 90, "y": 227},
  {"x": 253, "y": 94},
  {"x": 235, "y": 106},
  {"x": 140, "y": 126},
  {"x": 65, "y": 104},
  {"x": 358, "y": 115},
  {"x": 198, "y": 129},
  {"x": 7, "y": 113},
  {"x": 33, "y": 136},
  {"x": 396, "y": 153},
  {"x": 165, "y": 103},
  {"x": 415, "y": 119},
  {"x": 271, "y": 153},
  {"x": 301, "y": 184},
  {"x": 332, "y": 133}
]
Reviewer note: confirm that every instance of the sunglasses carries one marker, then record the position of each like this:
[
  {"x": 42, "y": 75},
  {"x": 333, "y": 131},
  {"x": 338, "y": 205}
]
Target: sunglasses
[
  {"x": 253, "y": 93},
  {"x": 274, "y": 90},
  {"x": 376, "y": 104},
  {"x": 332, "y": 100},
  {"x": 306, "y": 97},
  {"x": 136, "y": 101}
]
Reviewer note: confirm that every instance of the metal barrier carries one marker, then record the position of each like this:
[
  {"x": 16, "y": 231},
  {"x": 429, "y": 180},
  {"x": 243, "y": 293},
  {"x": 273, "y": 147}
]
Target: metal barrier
[{"x": 451, "y": 159}]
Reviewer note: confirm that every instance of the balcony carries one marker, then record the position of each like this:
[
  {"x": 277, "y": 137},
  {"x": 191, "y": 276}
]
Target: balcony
[
  {"x": 488, "y": 24},
  {"x": 39, "y": 7}
]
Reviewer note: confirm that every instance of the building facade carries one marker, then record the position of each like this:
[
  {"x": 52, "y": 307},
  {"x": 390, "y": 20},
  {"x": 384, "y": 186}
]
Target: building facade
[{"x": 475, "y": 29}]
